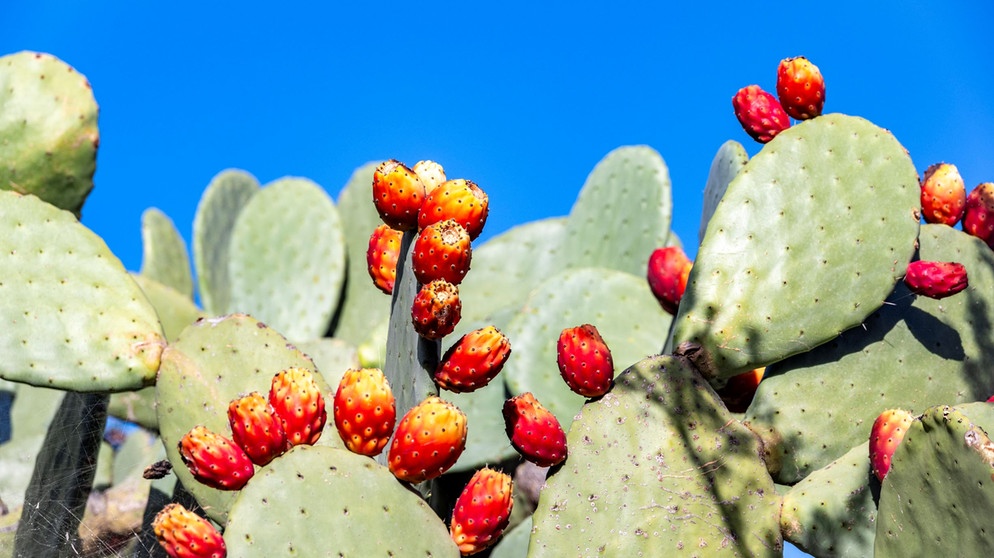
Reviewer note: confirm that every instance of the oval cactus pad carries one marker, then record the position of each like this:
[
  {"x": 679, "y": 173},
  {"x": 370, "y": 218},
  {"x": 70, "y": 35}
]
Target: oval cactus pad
[{"x": 809, "y": 239}]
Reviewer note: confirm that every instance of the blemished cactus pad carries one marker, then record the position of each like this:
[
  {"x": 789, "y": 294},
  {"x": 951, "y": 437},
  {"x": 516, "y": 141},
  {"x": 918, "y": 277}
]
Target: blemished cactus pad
[
  {"x": 938, "y": 497},
  {"x": 727, "y": 163},
  {"x": 912, "y": 353},
  {"x": 319, "y": 501},
  {"x": 214, "y": 361},
  {"x": 622, "y": 213},
  {"x": 658, "y": 467},
  {"x": 164, "y": 255},
  {"x": 73, "y": 317},
  {"x": 48, "y": 130},
  {"x": 287, "y": 258},
  {"x": 809, "y": 239},
  {"x": 219, "y": 207}
]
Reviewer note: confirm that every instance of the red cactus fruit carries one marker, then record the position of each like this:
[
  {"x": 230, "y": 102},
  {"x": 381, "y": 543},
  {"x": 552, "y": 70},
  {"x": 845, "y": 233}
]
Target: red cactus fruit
[
  {"x": 215, "y": 460},
  {"x": 667, "y": 274},
  {"x": 482, "y": 511},
  {"x": 184, "y": 534},
  {"x": 585, "y": 360},
  {"x": 936, "y": 279},
  {"x": 429, "y": 440},
  {"x": 800, "y": 87},
  {"x": 297, "y": 399},
  {"x": 382, "y": 256},
  {"x": 365, "y": 411},
  {"x": 256, "y": 428},
  {"x": 534, "y": 431},
  {"x": 442, "y": 251},
  {"x": 457, "y": 199},
  {"x": 436, "y": 310},
  {"x": 740, "y": 389},
  {"x": 474, "y": 360},
  {"x": 398, "y": 195},
  {"x": 978, "y": 218},
  {"x": 885, "y": 435},
  {"x": 759, "y": 113},
  {"x": 943, "y": 194},
  {"x": 431, "y": 174}
]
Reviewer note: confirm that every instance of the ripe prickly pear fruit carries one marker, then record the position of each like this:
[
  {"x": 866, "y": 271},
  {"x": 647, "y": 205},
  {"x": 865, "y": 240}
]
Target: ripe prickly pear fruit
[
  {"x": 365, "y": 411},
  {"x": 800, "y": 87},
  {"x": 482, "y": 511},
  {"x": 256, "y": 428},
  {"x": 398, "y": 195},
  {"x": 667, "y": 274},
  {"x": 534, "y": 431},
  {"x": 759, "y": 113},
  {"x": 473, "y": 361},
  {"x": 943, "y": 194},
  {"x": 184, "y": 534},
  {"x": 885, "y": 435},
  {"x": 297, "y": 399},
  {"x": 382, "y": 256},
  {"x": 442, "y": 251},
  {"x": 585, "y": 360},
  {"x": 737, "y": 394},
  {"x": 436, "y": 309},
  {"x": 457, "y": 199},
  {"x": 215, "y": 460},
  {"x": 431, "y": 174},
  {"x": 978, "y": 218},
  {"x": 429, "y": 440},
  {"x": 936, "y": 279}
]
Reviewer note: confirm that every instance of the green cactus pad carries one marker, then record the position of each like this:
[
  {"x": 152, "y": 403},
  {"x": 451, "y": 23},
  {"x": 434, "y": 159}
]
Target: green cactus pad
[
  {"x": 658, "y": 467},
  {"x": 938, "y": 497},
  {"x": 164, "y": 256},
  {"x": 514, "y": 543},
  {"x": 912, "y": 353},
  {"x": 30, "y": 416},
  {"x": 622, "y": 214},
  {"x": 287, "y": 258},
  {"x": 214, "y": 361},
  {"x": 316, "y": 501},
  {"x": 332, "y": 358},
  {"x": 727, "y": 163},
  {"x": 809, "y": 239},
  {"x": 219, "y": 207},
  {"x": 619, "y": 304},
  {"x": 832, "y": 512},
  {"x": 48, "y": 130},
  {"x": 73, "y": 317}
]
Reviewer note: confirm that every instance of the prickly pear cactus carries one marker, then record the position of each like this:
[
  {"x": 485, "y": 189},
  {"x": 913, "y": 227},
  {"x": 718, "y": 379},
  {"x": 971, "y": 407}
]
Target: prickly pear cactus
[
  {"x": 164, "y": 255},
  {"x": 727, "y": 163}
]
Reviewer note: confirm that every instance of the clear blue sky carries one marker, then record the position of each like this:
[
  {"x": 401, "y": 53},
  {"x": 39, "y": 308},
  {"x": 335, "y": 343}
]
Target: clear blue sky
[{"x": 522, "y": 97}]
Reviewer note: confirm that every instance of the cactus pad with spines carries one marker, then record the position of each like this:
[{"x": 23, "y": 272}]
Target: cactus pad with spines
[
  {"x": 164, "y": 255},
  {"x": 658, "y": 467},
  {"x": 48, "y": 130},
  {"x": 727, "y": 163},
  {"x": 73, "y": 317},
  {"x": 809, "y": 239}
]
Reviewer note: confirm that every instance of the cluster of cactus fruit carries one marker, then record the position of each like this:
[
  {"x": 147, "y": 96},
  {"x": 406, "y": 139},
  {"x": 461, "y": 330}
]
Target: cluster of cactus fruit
[{"x": 814, "y": 272}]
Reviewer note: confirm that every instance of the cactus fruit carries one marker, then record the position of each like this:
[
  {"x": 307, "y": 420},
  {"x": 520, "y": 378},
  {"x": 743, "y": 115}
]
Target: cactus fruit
[
  {"x": 184, "y": 534},
  {"x": 256, "y": 428},
  {"x": 457, "y": 199},
  {"x": 442, "y": 251},
  {"x": 936, "y": 279},
  {"x": 382, "y": 255},
  {"x": 585, "y": 361},
  {"x": 800, "y": 87},
  {"x": 978, "y": 218},
  {"x": 667, "y": 274},
  {"x": 398, "y": 195},
  {"x": 215, "y": 460},
  {"x": 738, "y": 392},
  {"x": 759, "y": 113},
  {"x": 534, "y": 431},
  {"x": 885, "y": 435},
  {"x": 431, "y": 174},
  {"x": 482, "y": 511},
  {"x": 428, "y": 441},
  {"x": 436, "y": 309},
  {"x": 474, "y": 360},
  {"x": 297, "y": 400},
  {"x": 365, "y": 411},
  {"x": 943, "y": 194}
]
